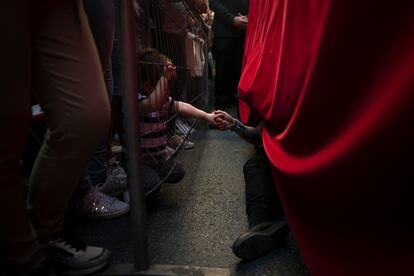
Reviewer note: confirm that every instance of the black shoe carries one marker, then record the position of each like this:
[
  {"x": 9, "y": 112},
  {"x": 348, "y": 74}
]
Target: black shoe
[{"x": 260, "y": 239}]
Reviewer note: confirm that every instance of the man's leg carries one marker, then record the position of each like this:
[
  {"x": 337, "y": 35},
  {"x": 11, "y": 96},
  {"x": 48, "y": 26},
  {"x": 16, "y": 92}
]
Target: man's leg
[
  {"x": 267, "y": 226},
  {"x": 262, "y": 200}
]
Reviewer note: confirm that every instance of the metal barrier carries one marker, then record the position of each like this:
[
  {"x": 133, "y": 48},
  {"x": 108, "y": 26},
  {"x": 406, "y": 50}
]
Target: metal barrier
[{"x": 176, "y": 30}]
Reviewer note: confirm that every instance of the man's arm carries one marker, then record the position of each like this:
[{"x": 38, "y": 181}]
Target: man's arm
[{"x": 252, "y": 135}]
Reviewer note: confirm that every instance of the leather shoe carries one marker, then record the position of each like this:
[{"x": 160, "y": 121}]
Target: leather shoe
[{"x": 260, "y": 239}]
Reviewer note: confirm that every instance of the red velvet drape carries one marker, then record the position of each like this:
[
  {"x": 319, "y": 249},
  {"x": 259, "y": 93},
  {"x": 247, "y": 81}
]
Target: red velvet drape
[{"x": 334, "y": 83}]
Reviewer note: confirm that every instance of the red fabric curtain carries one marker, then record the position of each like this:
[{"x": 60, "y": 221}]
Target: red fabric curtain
[{"x": 334, "y": 83}]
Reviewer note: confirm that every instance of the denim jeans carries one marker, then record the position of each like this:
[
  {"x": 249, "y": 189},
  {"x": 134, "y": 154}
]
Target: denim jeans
[{"x": 101, "y": 16}]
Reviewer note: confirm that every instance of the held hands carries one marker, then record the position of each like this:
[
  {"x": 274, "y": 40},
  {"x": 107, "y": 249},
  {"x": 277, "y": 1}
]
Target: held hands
[
  {"x": 220, "y": 119},
  {"x": 240, "y": 21},
  {"x": 223, "y": 120}
]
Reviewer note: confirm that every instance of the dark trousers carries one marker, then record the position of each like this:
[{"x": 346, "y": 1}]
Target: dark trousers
[
  {"x": 262, "y": 199},
  {"x": 228, "y": 54},
  {"x": 101, "y": 17},
  {"x": 50, "y": 46},
  {"x": 153, "y": 174}
]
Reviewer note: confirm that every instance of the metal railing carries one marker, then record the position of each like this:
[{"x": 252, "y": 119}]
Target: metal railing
[{"x": 176, "y": 30}]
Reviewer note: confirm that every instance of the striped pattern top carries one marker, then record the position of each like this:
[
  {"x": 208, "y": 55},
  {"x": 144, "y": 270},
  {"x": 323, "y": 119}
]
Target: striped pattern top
[{"x": 154, "y": 129}]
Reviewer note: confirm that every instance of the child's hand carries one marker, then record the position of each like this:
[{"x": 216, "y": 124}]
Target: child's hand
[
  {"x": 211, "y": 119},
  {"x": 223, "y": 120}
]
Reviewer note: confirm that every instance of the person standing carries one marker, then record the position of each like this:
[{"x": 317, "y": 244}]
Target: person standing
[
  {"x": 48, "y": 45},
  {"x": 229, "y": 26}
]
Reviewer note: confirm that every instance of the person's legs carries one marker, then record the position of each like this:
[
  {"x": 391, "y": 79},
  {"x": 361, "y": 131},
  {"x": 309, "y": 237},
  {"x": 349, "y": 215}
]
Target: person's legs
[
  {"x": 71, "y": 90},
  {"x": 101, "y": 17},
  {"x": 150, "y": 177},
  {"x": 172, "y": 170},
  {"x": 18, "y": 245},
  {"x": 267, "y": 226},
  {"x": 262, "y": 200}
]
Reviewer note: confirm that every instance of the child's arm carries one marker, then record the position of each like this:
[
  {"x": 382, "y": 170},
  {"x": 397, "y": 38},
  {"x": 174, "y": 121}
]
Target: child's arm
[
  {"x": 190, "y": 111},
  {"x": 251, "y": 135}
]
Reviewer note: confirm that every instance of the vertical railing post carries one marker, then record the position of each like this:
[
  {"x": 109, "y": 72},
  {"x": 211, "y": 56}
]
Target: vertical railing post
[{"x": 131, "y": 122}]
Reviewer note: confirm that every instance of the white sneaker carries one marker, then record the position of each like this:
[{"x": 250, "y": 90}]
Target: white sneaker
[
  {"x": 188, "y": 145},
  {"x": 116, "y": 149},
  {"x": 74, "y": 257},
  {"x": 98, "y": 205}
]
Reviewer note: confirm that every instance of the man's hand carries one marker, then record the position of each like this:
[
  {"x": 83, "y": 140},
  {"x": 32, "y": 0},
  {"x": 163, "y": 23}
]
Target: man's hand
[{"x": 240, "y": 21}]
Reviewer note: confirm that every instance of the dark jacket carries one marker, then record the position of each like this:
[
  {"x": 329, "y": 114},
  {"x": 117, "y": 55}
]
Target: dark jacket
[{"x": 224, "y": 12}]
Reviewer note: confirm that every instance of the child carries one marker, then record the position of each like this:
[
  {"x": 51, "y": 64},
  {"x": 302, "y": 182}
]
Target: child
[{"x": 155, "y": 106}]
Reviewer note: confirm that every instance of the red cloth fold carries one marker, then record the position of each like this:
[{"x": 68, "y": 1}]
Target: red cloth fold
[{"x": 334, "y": 83}]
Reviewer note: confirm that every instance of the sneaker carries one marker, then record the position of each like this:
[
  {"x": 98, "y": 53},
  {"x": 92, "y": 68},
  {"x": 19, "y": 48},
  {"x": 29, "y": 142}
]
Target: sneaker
[
  {"x": 98, "y": 205},
  {"x": 188, "y": 145},
  {"x": 116, "y": 149},
  {"x": 260, "y": 239},
  {"x": 71, "y": 256}
]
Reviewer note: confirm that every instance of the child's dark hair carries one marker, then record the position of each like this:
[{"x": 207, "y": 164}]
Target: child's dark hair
[{"x": 152, "y": 65}]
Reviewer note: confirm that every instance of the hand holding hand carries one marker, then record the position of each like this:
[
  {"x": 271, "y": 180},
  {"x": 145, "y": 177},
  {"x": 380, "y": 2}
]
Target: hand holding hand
[
  {"x": 223, "y": 120},
  {"x": 215, "y": 120}
]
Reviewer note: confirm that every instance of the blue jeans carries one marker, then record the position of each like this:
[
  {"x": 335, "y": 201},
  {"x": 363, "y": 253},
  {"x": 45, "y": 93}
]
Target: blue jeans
[{"x": 101, "y": 16}]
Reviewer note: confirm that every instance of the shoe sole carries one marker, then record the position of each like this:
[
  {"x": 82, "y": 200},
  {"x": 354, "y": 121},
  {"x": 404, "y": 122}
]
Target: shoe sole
[
  {"x": 104, "y": 258},
  {"x": 254, "y": 244}
]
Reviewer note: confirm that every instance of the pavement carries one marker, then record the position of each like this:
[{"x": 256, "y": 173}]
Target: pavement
[{"x": 195, "y": 222}]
